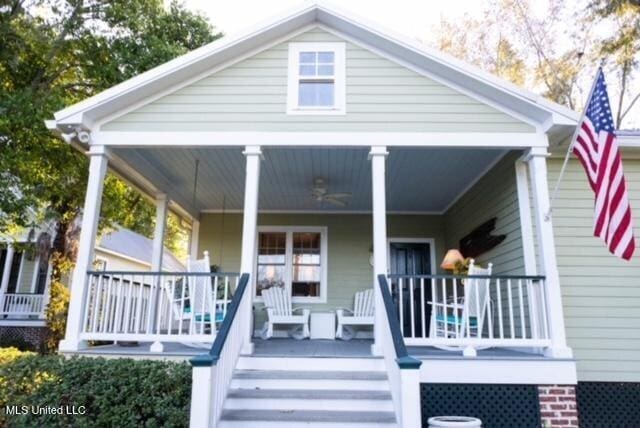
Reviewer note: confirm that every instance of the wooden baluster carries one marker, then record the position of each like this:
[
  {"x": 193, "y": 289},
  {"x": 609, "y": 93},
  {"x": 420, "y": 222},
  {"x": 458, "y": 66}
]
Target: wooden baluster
[
  {"x": 511, "y": 322},
  {"x": 523, "y": 322}
]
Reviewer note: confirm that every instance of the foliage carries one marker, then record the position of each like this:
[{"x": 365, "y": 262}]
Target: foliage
[
  {"x": 553, "y": 49},
  {"x": 54, "y": 53},
  {"x": 115, "y": 392},
  {"x": 56, "y": 314}
]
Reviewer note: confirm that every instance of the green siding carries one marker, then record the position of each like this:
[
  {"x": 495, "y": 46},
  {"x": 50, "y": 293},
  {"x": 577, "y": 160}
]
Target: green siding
[
  {"x": 349, "y": 241},
  {"x": 494, "y": 195},
  {"x": 381, "y": 96},
  {"x": 601, "y": 293}
]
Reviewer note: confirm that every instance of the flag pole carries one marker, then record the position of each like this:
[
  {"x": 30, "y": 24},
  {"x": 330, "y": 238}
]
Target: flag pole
[{"x": 573, "y": 140}]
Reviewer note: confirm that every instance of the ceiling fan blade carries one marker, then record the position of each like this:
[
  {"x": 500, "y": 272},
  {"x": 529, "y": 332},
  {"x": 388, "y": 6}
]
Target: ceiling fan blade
[
  {"x": 335, "y": 201},
  {"x": 337, "y": 195}
]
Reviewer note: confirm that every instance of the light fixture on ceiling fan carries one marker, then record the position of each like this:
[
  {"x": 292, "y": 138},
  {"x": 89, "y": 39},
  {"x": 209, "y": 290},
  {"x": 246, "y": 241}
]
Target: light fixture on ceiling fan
[{"x": 320, "y": 193}]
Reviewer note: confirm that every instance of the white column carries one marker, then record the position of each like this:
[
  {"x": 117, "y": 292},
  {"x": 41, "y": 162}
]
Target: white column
[
  {"x": 253, "y": 155},
  {"x": 162, "y": 204},
  {"x": 378, "y": 155},
  {"x": 90, "y": 217},
  {"x": 6, "y": 272},
  {"x": 547, "y": 251},
  {"x": 194, "y": 239}
]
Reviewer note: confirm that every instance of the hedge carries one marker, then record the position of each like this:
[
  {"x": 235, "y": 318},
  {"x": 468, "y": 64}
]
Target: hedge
[{"x": 114, "y": 392}]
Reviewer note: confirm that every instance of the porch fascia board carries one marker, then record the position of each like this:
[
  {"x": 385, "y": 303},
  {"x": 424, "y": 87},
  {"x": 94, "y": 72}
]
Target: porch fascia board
[{"x": 186, "y": 139}]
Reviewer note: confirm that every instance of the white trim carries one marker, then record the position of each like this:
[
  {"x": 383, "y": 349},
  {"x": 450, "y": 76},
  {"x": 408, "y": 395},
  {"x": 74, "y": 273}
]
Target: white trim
[
  {"x": 526, "y": 224},
  {"x": 290, "y": 230},
  {"x": 475, "y": 180},
  {"x": 531, "y": 371},
  {"x": 414, "y": 240},
  {"x": 34, "y": 275},
  {"x": 186, "y": 139},
  {"x": 293, "y": 78},
  {"x": 23, "y": 323}
]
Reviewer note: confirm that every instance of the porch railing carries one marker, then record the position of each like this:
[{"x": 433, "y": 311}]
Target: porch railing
[
  {"x": 156, "y": 306},
  {"x": 471, "y": 311},
  {"x": 22, "y": 305}
]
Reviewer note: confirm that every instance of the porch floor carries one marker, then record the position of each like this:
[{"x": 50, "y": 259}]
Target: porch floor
[{"x": 281, "y": 347}]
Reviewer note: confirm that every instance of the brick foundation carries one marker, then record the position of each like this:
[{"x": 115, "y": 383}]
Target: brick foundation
[
  {"x": 36, "y": 336},
  {"x": 558, "y": 406}
]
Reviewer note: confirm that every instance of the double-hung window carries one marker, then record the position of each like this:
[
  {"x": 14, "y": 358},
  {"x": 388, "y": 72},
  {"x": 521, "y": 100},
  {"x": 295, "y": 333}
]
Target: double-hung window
[
  {"x": 316, "y": 78},
  {"x": 294, "y": 258}
]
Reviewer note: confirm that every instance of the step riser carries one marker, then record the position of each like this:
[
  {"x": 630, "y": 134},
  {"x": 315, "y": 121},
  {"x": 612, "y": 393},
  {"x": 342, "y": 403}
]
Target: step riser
[
  {"x": 307, "y": 384},
  {"x": 311, "y": 364},
  {"x": 270, "y": 424},
  {"x": 308, "y": 404}
]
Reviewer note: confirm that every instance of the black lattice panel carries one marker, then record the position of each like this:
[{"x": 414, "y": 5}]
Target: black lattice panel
[
  {"x": 608, "y": 404},
  {"x": 497, "y": 406}
]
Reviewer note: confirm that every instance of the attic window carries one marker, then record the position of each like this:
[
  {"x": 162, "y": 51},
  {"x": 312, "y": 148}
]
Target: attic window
[{"x": 316, "y": 78}]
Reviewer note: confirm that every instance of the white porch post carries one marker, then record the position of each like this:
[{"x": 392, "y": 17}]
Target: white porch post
[
  {"x": 162, "y": 204},
  {"x": 90, "y": 216},
  {"x": 194, "y": 239},
  {"x": 253, "y": 155},
  {"x": 378, "y": 155},
  {"x": 547, "y": 251},
  {"x": 6, "y": 272}
]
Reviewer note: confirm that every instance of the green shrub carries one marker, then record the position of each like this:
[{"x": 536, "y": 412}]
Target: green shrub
[{"x": 114, "y": 392}]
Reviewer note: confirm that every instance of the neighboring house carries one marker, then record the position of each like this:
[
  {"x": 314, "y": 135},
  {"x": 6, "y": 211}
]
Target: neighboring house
[
  {"x": 24, "y": 280},
  {"x": 324, "y": 155}
]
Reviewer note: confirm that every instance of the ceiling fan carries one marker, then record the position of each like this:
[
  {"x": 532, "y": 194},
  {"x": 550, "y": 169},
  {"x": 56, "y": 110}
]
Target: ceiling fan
[{"x": 320, "y": 193}]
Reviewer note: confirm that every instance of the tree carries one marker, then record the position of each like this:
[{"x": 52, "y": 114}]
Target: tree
[{"x": 54, "y": 53}]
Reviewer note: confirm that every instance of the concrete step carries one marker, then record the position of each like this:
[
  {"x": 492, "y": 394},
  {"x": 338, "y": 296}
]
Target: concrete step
[
  {"x": 310, "y": 364},
  {"x": 306, "y": 418},
  {"x": 291, "y": 399},
  {"x": 305, "y": 380}
]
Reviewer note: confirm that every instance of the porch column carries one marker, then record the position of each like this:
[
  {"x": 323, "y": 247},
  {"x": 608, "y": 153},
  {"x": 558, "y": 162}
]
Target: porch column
[
  {"x": 90, "y": 216},
  {"x": 253, "y": 156},
  {"x": 378, "y": 155},
  {"x": 194, "y": 239},
  {"x": 6, "y": 271},
  {"x": 162, "y": 204},
  {"x": 547, "y": 252}
]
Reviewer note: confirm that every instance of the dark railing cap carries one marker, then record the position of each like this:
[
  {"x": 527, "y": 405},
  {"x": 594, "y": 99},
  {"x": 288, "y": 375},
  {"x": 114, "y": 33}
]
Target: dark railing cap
[
  {"x": 150, "y": 273},
  {"x": 524, "y": 277}
]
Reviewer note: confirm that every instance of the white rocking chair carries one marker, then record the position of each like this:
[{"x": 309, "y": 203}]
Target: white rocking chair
[
  {"x": 277, "y": 303},
  {"x": 466, "y": 317},
  {"x": 362, "y": 314}
]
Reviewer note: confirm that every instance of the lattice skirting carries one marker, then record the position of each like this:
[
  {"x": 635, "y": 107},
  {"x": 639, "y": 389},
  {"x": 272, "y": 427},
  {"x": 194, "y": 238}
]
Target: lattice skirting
[
  {"x": 36, "y": 336},
  {"x": 608, "y": 404}
]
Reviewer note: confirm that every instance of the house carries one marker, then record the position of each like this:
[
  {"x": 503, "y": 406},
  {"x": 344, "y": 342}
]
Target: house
[
  {"x": 319, "y": 153},
  {"x": 25, "y": 278}
]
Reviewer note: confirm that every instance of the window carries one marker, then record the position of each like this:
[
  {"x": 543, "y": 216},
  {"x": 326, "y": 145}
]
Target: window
[
  {"x": 316, "y": 78},
  {"x": 294, "y": 258}
]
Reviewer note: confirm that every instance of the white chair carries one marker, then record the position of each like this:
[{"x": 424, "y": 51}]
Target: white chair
[
  {"x": 466, "y": 317},
  {"x": 277, "y": 303},
  {"x": 362, "y": 314}
]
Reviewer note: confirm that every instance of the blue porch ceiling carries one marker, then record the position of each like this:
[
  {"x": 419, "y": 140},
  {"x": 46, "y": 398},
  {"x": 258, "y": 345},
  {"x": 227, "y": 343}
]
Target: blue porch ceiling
[{"x": 418, "y": 179}]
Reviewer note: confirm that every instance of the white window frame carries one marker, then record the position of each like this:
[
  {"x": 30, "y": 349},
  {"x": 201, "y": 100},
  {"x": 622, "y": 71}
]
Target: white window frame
[
  {"x": 290, "y": 230},
  {"x": 293, "y": 78}
]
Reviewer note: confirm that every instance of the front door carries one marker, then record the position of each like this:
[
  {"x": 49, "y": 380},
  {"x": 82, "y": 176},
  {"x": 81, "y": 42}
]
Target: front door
[{"x": 410, "y": 258}]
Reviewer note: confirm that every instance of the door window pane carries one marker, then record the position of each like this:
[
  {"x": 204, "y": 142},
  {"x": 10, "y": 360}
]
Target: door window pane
[
  {"x": 271, "y": 260},
  {"x": 306, "y": 264}
]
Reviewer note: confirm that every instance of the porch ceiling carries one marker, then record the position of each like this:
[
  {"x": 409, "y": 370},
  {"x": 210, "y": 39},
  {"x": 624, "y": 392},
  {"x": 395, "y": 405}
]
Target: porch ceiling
[{"x": 418, "y": 179}]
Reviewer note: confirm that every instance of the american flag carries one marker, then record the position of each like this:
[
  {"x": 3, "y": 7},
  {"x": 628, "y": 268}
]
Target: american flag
[{"x": 597, "y": 149}]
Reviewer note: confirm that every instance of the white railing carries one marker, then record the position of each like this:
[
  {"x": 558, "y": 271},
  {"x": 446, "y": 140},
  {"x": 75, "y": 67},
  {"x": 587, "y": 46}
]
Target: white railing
[
  {"x": 212, "y": 372},
  {"x": 471, "y": 311},
  {"x": 156, "y": 306},
  {"x": 22, "y": 305}
]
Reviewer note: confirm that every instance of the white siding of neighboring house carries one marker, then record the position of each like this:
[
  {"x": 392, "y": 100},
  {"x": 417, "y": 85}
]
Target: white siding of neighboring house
[
  {"x": 381, "y": 95},
  {"x": 601, "y": 293},
  {"x": 116, "y": 262}
]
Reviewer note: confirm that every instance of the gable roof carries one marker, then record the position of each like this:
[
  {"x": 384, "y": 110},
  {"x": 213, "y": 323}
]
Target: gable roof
[
  {"x": 133, "y": 245},
  {"x": 554, "y": 118}
]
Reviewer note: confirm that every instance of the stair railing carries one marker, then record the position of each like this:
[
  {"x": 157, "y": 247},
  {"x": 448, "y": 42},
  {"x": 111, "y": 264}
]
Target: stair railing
[
  {"x": 403, "y": 370},
  {"x": 213, "y": 371}
]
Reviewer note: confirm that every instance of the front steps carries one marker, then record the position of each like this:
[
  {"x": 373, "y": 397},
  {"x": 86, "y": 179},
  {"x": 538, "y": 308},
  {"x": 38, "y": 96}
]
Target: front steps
[{"x": 309, "y": 392}]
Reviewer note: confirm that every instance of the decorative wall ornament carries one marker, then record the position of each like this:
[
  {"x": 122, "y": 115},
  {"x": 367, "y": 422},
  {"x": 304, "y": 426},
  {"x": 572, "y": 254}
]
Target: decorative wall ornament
[{"x": 480, "y": 240}]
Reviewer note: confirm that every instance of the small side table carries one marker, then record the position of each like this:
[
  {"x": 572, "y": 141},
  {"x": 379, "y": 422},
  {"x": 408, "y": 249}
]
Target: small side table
[{"x": 323, "y": 325}]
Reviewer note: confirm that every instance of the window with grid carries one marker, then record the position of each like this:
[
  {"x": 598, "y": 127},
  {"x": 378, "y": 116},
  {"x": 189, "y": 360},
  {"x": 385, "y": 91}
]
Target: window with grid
[
  {"x": 271, "y": 260},
  {"x": 306, "y": 264},
  {"x": 316, "y": 78}
]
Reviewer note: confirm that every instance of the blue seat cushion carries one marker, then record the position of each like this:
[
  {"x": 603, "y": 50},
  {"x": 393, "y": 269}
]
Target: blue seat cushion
[
  {"x": 207, "y": 316},
  {"x": 452, "y": 320}
]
